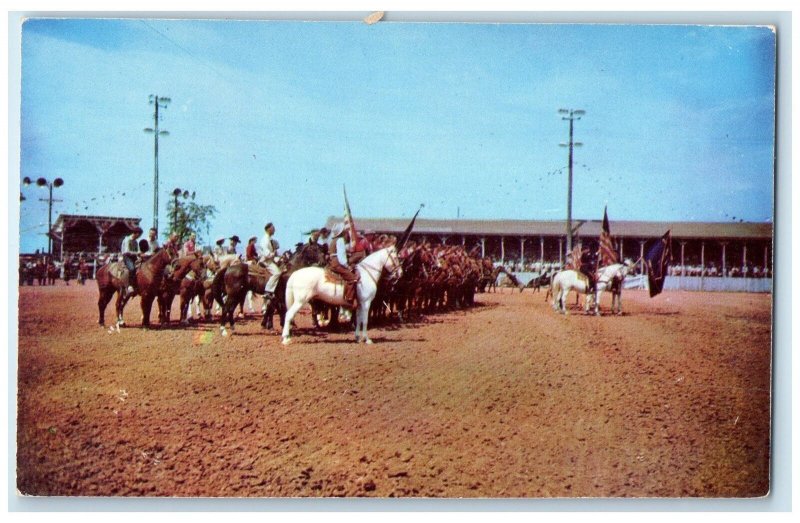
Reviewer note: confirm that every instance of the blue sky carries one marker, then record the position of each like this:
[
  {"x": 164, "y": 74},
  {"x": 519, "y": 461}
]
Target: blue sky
[{"x": 269, "y": 119}]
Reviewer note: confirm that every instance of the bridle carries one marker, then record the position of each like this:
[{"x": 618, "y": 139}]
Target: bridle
[{"x": 395, "y": 262}]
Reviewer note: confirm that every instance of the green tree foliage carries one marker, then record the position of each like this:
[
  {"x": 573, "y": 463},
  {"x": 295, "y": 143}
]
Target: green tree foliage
[{"x": 186, "y": 216}]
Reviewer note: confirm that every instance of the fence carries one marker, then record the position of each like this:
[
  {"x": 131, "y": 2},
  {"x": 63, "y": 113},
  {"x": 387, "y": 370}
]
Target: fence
[
  {"x": 698, "y": 283},
  {"x": 684, "y": 283}
]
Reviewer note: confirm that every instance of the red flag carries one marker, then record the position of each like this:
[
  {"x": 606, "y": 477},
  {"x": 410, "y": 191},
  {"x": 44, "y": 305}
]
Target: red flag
[
  {"x": 608, "y": 251},
  {"x": 348, "y": 221}
]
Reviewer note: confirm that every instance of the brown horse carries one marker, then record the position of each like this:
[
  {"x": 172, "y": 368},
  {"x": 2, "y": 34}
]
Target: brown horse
[
  {"x": 111, "y": 279},
  {"x": 181, "y": 273},
  {"x": 230, "y": 288},
  {"x": 198, "y": 284}
]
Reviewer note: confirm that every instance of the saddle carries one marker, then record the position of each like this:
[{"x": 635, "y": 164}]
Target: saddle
[
  {"x": 118, "y": 270},
  {"x": 332, "y": 277},
  {"x": 582, "y": 277},
  {"x": 256, "y": 269}
]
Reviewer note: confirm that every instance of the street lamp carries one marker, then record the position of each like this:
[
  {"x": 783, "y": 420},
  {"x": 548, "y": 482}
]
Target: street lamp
[
  {"x": 158, "y": 101},
  {"x": 42, "y": 182},
  {"x": 572, "y": 115}
]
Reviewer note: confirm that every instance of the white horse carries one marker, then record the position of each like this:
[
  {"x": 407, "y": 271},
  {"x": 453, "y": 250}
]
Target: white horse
[
  {"x": 610, "y": 278},
  {"x": 310, "y": 282}
]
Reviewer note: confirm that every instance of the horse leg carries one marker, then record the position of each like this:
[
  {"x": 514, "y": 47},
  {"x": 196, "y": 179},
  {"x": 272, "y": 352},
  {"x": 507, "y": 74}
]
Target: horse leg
[
  {"x": 250, "y": 308},
  {"x": 363, "y": 318},
  {"x": 102, "y": 303},
  {"x": 122, "y": 299},
  {"x": 286, "y": 335},
  {"x": 267, "y": 311},
  {"x": 147, "y": 307},
  {"x": 185, "y": 301},
  {"x": 228, "y": 313}
]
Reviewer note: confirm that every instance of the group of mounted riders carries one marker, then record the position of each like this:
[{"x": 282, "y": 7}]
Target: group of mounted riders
[{"x": 434, "y": 276}]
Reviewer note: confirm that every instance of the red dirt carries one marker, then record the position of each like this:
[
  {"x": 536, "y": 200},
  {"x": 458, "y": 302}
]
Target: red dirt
[{"x": 508, "y": 399}]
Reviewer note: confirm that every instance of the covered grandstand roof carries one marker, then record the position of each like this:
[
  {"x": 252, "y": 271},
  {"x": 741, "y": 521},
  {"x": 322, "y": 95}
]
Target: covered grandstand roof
[
  {"x": 585, "y": 228},
  {"x": 102, "y": 223}
]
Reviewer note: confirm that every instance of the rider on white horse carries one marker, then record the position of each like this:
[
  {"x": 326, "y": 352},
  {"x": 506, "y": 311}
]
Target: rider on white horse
[
  {"x": 588, "y": 267},
  {"x": 337, "y": 262}
]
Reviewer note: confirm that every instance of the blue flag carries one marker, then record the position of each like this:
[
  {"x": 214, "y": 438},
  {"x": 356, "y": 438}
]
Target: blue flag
[{"x": 657, "y": 262}]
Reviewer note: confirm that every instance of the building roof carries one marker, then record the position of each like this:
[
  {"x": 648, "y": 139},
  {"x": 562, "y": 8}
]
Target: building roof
[
  {"x": 101, "y": 222},
  {"x": 582, "y": 228}
]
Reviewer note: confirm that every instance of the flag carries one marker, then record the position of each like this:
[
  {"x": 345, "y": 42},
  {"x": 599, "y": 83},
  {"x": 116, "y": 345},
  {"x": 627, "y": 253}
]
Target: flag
[
  {"x": 348, "y": 221},
  {"x": 657, "y": 262},
  {"x": 407, "y": 232},
  {"x": 608, "y": 251}
]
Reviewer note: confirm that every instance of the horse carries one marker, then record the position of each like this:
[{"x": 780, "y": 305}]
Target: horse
[
  {"x": 185, "y": 272},
  {"x": 232, "y": 283},
  {"x": 610, "y": 278},
  {"x": 111, "y": 279},
  {"x": 613, "y": 274},
  {"x": 309, "y": 255},
  {"x": 311, "y": 282}
]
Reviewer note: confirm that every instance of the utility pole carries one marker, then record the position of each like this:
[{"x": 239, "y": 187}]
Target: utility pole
[
  {"x": 572, "y": 115},
  {"x": 158, "y": 101}
]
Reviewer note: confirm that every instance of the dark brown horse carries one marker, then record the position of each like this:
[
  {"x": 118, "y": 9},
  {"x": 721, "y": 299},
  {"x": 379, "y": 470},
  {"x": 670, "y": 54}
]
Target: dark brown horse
[
  {"x": 111, "y": 279},
  {"x": 181, "y": 273},
  {"x": 230, "y": 288}
]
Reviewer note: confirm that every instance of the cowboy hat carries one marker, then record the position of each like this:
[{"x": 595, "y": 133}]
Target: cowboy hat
[
  {"x": 337, "y": 230},
  {"x": 235, "y": 239}
]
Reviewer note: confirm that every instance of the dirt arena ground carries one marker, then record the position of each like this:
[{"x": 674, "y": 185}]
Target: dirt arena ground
[{"x": 507, "y": 399}]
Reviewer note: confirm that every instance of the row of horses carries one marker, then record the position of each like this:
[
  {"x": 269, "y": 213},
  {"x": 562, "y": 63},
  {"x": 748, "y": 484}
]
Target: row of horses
[{"x": 417, "y": 280}]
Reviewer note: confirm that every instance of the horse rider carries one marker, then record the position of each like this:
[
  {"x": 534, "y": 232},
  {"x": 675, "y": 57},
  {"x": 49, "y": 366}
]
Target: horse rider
[
  {"x": 358, "y": 249},
  {"x": 313, "y": 236},
  {"x": 588, "y": 267},
  {"x": 250, "y": 252},
  {"x": 323, "y": 239},
  {"x": 130, "y": 254},
  {"x": 269, "y": 256},
  {"x": 190, "y": 245},
  {"x": 152, "y": 241},
  {"x": 337, "y": 262},
  {"x": 219, "y": 249},
  {"x": 232, "y": 246}
]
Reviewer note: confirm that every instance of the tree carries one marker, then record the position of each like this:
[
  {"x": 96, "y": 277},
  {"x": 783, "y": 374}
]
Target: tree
[{"x": 188, "y": 216}]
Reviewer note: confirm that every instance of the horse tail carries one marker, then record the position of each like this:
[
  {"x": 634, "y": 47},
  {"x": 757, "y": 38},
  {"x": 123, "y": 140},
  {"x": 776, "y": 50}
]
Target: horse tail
[
  {"x": 289, "y": 295},
  {"x": 554, "y": 290}
]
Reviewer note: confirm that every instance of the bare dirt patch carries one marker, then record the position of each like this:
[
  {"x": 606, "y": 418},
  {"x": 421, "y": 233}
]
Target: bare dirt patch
[{"x": 508, "y": 399}]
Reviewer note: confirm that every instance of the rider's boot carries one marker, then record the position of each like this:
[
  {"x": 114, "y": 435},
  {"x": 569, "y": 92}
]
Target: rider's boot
[
  {"x": 132, "y": 284},
  {"x": 350, "y": 294}
]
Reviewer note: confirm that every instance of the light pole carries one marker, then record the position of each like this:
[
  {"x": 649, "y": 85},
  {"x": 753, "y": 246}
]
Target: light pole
[
  {"x": 157, "y": 101},
  {"x": 42, "y": 182},
  {"x": 572, "y": 115}
]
